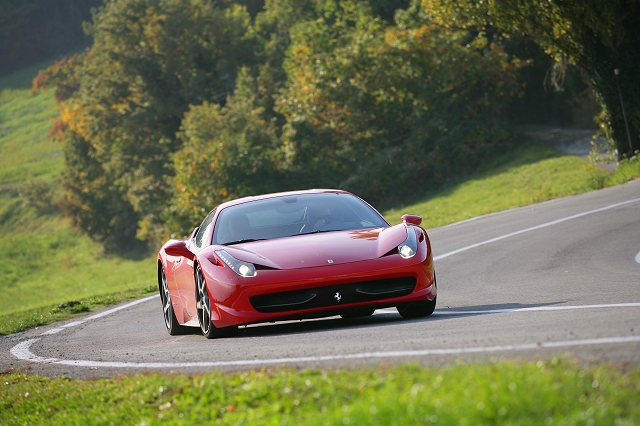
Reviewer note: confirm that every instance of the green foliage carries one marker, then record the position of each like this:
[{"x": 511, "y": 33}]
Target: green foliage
[
  {"x": 628, "y": 169},
  {"x": 600, "y": 36},
  {"x": 555, "y": 392},
  {"x": 549, "y": 97},
  {"x": 372, "y": 108},
  {"x": 158, "y": 124},
  {"x": 150, "y": 60},
  {"x": 39, "y": 194},
  {"x": 73, "y": 306},
  {"x": 228, "y": 152}
]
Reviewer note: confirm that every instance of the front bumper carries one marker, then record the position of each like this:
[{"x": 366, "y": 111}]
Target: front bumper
[{"x": 232, "y": 295}]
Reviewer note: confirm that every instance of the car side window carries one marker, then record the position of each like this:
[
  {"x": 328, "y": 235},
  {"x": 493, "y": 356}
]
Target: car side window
[{"x": 206, "y": 225}]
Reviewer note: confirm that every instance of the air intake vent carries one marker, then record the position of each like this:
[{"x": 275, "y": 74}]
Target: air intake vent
[{"x": 326, "y": 296}]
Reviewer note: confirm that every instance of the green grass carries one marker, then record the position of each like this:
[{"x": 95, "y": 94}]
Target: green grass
[
  {"x": 24, "y": 125},
  {"x": 45, "y": 263},
  {"x": 500, "y": 393},
  {"x": 532, "y": 173},
  {"x": 26, "y": 319}
]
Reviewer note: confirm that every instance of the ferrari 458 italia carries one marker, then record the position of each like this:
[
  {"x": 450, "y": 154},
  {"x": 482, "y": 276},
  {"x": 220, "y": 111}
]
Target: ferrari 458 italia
[{"x": 294, "y": 255}]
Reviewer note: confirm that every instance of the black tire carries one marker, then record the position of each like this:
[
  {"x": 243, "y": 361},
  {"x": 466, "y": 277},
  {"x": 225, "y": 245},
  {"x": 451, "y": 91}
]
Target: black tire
[
  {"x": 417, "y": 309},
  {"x": 203, "y": 306},
  {"x": 358, "y": 313},
  {"x": 170, "y": 321}
]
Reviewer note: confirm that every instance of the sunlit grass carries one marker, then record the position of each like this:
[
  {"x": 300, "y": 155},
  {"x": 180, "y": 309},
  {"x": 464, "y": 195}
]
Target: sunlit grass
[
  {"x": 46, "y": 263},
  {"x": 500, "y": 393},
  {"x": 43, "y": 315},
  {"x": 533, "y": 173}
]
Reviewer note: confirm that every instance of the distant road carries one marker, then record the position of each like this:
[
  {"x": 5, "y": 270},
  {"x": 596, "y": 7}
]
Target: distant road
[{"x": 561, "y": 277}]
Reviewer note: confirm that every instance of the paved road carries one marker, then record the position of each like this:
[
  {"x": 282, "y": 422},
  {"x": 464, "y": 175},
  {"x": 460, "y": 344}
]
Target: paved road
[
  {"x": 557, "y": 278},
  {"x": 571, "y": 141}
]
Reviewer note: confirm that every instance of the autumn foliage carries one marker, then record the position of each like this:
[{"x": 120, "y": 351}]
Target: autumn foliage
[{"x": 182, "y": 104}]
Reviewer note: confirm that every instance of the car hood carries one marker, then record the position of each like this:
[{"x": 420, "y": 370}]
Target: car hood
[{"x": 322, "y": 249}]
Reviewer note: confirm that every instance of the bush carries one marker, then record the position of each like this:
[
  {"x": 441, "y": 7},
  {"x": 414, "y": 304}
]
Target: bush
[{"x": 39, "y": 195}]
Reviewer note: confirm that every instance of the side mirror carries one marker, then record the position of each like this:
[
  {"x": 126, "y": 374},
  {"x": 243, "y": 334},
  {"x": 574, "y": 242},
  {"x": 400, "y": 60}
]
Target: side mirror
[
  {"x": 178, "y": 248},
  {"x": 411, "y": 219}
]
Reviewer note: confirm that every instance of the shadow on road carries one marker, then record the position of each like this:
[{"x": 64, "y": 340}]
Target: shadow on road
[
  {"x": 489, "y": 309},
  {"x": 382, "y": 317},
  {"x": 317, "y": 325}
]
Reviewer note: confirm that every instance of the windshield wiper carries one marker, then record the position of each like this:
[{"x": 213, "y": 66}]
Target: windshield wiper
[
  {"x": 246, "y": 240},
  {"x": 319, "y": 231}
]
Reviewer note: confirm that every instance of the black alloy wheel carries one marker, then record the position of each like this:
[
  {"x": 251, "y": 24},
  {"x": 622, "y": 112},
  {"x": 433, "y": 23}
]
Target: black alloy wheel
[
  {"x": 170, "y": 321},
  {"x": 203, "y": 306}
]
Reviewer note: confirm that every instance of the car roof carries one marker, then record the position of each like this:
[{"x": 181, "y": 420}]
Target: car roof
[{"x": 279, "y": 194}]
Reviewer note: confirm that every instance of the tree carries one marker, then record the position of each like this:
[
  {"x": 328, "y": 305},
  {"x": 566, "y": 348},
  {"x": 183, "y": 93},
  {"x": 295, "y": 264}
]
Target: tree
[
  {"x": 229, "y": 152},
  {"x": 375, "y": 108},
  {"x": 150, "y": 60},
  {"x": 598, "y": 35}
]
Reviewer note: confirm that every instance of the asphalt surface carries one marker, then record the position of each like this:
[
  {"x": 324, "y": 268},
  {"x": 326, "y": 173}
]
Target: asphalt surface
[{"x": 561, "y": 278}]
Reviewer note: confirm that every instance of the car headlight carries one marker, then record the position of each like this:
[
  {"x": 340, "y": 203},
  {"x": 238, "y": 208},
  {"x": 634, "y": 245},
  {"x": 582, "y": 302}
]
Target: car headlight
[
  {"x": 409, "y": 247},
  {"x": 244, "y": 269}
]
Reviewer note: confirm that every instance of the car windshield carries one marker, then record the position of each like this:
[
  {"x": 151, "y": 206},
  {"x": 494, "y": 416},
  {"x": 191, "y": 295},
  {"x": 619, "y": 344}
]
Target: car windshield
[{"x": 293, "y": 215}]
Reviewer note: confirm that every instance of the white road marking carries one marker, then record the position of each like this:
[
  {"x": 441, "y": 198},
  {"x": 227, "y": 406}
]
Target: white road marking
[
  {"x": 73, "y": 324},
  {"x": 118, "y": 308},
  {"x": 52, "y": 331},
  {"x": 530, "y": 309},
  {"x": 100, "y": 315},
  {"x": 537, "y": 309},
  {"x": 638, "y": 257},
  {"x": 533, "y": 228},
  {"x": 23, "y": 351}
]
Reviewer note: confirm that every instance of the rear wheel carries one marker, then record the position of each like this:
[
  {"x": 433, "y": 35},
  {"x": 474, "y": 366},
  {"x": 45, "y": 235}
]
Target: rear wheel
[
  {"x": 203, "y": 306},
  {"x": 358, "y": 313},
  {"x": 170, "y": 321}
]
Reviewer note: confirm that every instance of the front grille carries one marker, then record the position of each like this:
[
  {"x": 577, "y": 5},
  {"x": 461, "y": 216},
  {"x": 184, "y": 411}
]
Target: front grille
[{"x": 328, "y": 295}]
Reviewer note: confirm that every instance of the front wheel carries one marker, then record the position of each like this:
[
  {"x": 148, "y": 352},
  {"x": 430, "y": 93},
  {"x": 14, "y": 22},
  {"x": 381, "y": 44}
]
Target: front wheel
[
  {"x": 170, "y": 321},
  {"x": 203, "y": 306},
  {"x": 417, "y": 309}
]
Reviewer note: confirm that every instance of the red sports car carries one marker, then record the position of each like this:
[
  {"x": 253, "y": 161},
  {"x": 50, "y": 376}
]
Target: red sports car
[{"x": 294, "y": 255}]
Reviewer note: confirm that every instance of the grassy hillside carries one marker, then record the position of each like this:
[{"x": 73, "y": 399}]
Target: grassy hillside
[
  {"x": 532, "y": 173},
  {"x": 46, "y": 264}
]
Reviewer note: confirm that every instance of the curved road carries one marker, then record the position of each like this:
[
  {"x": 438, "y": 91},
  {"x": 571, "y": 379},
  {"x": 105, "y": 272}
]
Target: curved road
[{"x": 557, "y": 278}]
